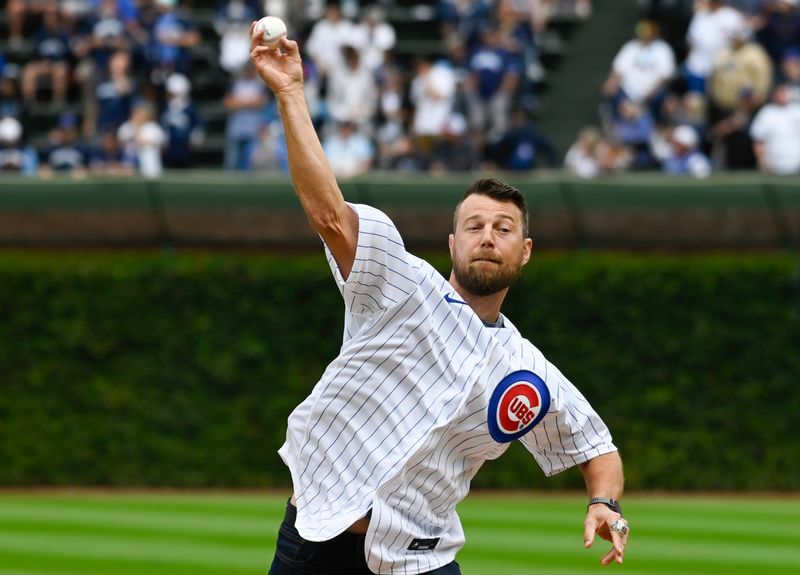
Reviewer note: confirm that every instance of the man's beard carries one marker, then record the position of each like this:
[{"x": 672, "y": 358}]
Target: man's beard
[{"x": 488, "y": 280}]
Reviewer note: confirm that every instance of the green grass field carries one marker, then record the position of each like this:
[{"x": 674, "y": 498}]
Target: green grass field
[{"x": 198, "y": 534}]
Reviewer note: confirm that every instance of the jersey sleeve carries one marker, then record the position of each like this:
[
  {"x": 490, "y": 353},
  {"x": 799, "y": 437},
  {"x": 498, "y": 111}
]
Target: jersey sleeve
[
  {"x": 381, "y": 275},
  {"x": 571, "y": 432}
]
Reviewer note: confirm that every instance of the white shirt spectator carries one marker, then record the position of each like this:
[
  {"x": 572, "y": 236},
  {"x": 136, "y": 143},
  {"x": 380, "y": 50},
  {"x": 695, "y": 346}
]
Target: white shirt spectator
[
  {"x": 325, "y": 43},
  {"x": 581, "y": 163},
  {"x": 432, "y": 92},
  {"x": 352, "y": 91},
  {"x": 349, "y": 152},
  {"x": 643, "y": 67},
  {"x": 144, "y": 142},
  {"x": 778, "y": 128},
  {"x": 373, "y": 38},
  {"x": 709, "y": 33}
]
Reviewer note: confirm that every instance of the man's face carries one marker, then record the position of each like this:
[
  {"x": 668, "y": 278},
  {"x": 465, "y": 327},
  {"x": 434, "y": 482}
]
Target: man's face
[{"x": 488, "y": 249}]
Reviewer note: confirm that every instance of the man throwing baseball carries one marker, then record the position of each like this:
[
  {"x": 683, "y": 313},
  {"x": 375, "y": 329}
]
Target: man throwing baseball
[{"x": 431, "y": 381}]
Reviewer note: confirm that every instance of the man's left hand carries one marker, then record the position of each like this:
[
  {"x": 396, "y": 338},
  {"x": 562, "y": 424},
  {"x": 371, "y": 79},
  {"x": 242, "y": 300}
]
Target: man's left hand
[{"x": 608, "y": 524}]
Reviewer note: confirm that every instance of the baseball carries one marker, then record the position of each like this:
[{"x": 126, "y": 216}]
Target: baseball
[{"x": 270, "y": 30}]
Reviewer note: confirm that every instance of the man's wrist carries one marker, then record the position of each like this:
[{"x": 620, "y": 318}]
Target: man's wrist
[{"x": 612, "y": 504}]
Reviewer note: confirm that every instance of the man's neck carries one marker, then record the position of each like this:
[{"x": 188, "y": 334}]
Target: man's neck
[{"x": 487, "y": 307}]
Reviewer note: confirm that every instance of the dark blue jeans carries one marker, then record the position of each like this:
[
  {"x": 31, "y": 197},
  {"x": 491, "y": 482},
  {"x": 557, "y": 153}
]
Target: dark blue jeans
[{"x": 342, "y": 555}]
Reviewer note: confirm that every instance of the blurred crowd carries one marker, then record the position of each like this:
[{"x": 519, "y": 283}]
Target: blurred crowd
[
  {"x": 703, "y": 86},
  {"x": 120, "y": 72}
]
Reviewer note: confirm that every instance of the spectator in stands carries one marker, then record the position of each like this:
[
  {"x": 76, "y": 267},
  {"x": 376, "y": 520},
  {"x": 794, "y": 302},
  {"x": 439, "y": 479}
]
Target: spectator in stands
[
  {"x": 181, "y": 122},
  {"x": 458, "y": 61},
  {"x": 373, "y": 37},
  {"x": 517, "y": 25},
  {"x": 634, "y": 128},
  {"x": 431, "y": 91},
  {"x": 673, "y": 17},
  {"x": 127, "y": 11},
  {"x": 523, "y": 147},
  {"x": 691, "y": 108},
  {"x": 270, "y": 153},
  {"x": 245, "y": 103},
  {"x": 115, "y": 94},
  {"x": 709, "y": 33},
  {"x": 109, "y": 159},
  {"x": 349, "y": 152},
  {"x": 732, "y": 147},
  {"x": 327, "y": 38},
  {"x": 402, "y": 155},
  {"x": 462, "y": 19},
  {"x": 494, "y": 77},
  {"x": 15, "y": 157},
  {"x": 790, "y": 73},
  {"x": 776, "y": 134},
  {"x": 582, "y": 157},
  {"x": 65, "y": 152},
  {"x": 352, "y": 92},
  {"x": 103, "y": 35},
  {"x": 51, "y": 59},
  {"x": 454, "y": 153},
  {"x": 685, "y": 157},
  {"x": 641, "y": 70},
  {"x": 174, "y": 34},
  {"x": 142, "y": 140},
  {"x": 743, "y": 67},
  {"x": 778, "y": 27},
  {"x": 392, "y": 120},
  {"x": 232, "y": 23},
  {"x": 613, "y": 157},
  {"x": 11, "y": 104},
  {"x": 18, "y": 13}
]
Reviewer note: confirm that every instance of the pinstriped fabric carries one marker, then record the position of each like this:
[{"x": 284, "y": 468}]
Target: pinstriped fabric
[{"x": 398, "y": 421}]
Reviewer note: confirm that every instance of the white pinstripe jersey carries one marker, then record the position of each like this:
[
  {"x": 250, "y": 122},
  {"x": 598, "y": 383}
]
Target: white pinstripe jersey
[{"x": 421, "y": 394}]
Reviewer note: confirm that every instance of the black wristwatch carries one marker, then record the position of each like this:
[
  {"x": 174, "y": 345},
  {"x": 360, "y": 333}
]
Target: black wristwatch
[{"x": 612, "y": 504}]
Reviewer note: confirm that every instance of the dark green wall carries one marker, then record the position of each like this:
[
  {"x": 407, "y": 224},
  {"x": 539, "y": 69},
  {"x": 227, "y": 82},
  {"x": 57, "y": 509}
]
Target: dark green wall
[{"x": 142, "y": 369}]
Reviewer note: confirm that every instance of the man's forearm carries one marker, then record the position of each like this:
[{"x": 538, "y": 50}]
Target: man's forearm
[
  {"x": 603, "y": 476},
  {"x": 311, "y": 173}
]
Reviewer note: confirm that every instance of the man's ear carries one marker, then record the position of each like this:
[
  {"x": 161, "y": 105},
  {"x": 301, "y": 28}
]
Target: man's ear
[
  {"x": 527, "y": 248},
  {"x": 451, "y": 239}
]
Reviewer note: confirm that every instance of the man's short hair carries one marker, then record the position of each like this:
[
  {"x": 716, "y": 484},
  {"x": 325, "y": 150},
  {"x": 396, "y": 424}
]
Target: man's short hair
[{"x": 499, "y": 191}]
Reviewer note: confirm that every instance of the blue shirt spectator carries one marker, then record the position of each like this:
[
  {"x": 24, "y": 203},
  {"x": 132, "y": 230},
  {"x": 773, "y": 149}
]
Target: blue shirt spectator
[
  {"x": 685, "y": 158},
  {"x": 109, "y": 158},
  {"x": 115, "y": 94},
  {"x": 523, "y": 147},
  {"x": 490, "y": 65},
  {"x": 66, "y": 153},
  {"x": 245, "y": 104},
  {"x": 173, "y": 35},
  {"x": 181, "y": 122}
]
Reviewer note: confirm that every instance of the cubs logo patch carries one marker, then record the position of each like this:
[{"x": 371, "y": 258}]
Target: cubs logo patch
[{"x": 518, "y": 403}]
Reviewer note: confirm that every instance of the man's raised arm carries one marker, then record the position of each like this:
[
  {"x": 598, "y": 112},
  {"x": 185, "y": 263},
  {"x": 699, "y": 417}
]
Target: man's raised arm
[{"x": 281, "y": 69}]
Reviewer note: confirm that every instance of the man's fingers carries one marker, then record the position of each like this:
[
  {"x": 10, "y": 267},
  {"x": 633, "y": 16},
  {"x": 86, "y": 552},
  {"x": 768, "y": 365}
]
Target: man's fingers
[
  {"x": 611, "y": 556},
  {"x": 617, "y": 551},
  {"x": 618, "y": 541},
  {"x": 254, "y": 42},
  {"x": 588, "y": 535},
  {"x": 290, "y": 47}
]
